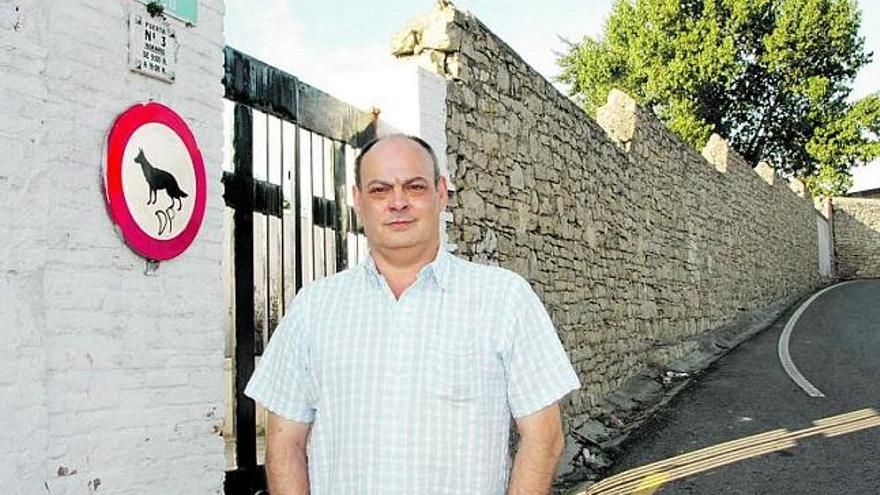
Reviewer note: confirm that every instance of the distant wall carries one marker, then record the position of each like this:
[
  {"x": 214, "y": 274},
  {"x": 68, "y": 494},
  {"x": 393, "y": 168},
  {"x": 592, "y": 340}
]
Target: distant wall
[
  {"x": 857, "y": 237},
  {"x": 112, "y": 380},
  {"x": 635, "y": 242},
  {"x": 865, "y": 194}
]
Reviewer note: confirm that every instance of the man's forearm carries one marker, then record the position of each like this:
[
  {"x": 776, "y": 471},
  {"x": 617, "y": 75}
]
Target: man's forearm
[
  {"x": 287, "y": 466},
  {"x": 287, "y": 470},
  {"x": 534, "y": 467}
]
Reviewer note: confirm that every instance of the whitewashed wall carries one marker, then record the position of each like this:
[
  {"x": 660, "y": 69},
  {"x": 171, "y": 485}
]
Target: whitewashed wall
[
  {"x": 420, "y": 110},
  {"x": 826, "y": 238},
  {"x": 111, "y": 380}
]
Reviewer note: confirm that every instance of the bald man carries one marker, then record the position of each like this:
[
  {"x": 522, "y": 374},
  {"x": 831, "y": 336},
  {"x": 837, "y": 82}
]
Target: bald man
[{"x": 401, "y": 375}]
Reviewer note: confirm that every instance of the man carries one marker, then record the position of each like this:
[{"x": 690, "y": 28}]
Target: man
[{"x": 400, "y": 376}]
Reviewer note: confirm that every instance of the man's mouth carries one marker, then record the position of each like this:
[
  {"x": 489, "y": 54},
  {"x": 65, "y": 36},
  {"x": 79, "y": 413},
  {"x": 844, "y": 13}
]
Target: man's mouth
[{"x": 401, "y": 223}]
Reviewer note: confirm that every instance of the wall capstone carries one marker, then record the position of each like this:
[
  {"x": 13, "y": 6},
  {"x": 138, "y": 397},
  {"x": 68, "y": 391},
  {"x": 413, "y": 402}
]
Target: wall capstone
[
  {"x": 618, "y": 117},
  {"x": 766, "y": 172},
  {"x": 716, "y": 152},
  {"x": 799, "y": 188},
  {"x": 433, "y": 38}
]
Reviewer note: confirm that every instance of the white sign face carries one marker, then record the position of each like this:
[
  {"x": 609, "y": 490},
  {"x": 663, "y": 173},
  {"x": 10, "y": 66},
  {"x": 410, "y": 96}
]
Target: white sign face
[
  {"x": 158, "y": 181},
  {"x": 152, "y": 47}
]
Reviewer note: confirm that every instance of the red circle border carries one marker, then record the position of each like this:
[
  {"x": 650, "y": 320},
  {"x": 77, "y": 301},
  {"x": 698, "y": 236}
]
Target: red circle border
[{"x": 123, "y": 128}]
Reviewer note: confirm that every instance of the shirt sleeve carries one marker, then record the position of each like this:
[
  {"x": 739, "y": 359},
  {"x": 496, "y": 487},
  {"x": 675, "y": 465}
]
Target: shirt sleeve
[
  {"x": 539, "y": 371},
  {"x": 282, "y": 380}
]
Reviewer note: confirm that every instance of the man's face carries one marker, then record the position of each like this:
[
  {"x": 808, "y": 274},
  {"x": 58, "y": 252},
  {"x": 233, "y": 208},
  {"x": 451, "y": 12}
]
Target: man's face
[{"x": 398, "y": 201}]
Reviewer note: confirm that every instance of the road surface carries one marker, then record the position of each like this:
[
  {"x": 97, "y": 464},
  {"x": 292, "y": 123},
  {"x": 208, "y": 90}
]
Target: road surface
[{"x": 747, "y": 427}]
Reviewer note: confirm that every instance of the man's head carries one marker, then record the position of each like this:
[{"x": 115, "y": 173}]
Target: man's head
[
  {"x": 399, "y": 194},
  {"x": 415, "y": 139}
]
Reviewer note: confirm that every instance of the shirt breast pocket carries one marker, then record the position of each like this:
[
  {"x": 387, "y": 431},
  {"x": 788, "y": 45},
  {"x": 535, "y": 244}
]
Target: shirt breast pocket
[{"x": 454, "y": 373}]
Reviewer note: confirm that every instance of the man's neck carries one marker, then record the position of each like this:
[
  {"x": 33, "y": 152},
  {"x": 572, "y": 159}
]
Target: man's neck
[{"x": 400, "y": 267}]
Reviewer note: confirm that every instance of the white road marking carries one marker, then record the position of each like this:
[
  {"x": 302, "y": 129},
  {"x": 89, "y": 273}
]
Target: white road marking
[{"x": 785, "y": 356}]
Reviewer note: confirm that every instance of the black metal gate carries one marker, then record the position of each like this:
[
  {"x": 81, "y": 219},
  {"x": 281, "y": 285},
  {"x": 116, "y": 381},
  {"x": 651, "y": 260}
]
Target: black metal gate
[{"x": 289, "y": 220}]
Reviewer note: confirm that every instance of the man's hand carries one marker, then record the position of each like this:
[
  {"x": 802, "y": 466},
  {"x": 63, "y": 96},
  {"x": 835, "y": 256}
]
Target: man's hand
[
  {"x": 287, "y": 469},
  {"x": 540, "y": 446}
]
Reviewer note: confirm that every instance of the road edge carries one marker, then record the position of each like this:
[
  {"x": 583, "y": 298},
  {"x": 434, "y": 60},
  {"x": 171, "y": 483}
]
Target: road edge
[{"x": 591, "y": 448}]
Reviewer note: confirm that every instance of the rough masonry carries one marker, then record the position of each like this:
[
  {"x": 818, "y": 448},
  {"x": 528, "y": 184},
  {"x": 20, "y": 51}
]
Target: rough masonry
[
  {"x": 635, "y": 242},
  {"x": 857, "y": 237}
]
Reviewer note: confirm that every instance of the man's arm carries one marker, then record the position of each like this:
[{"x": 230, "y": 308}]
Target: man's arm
[
  {"x": 540, "y": 446},
  {"x": 287, "y": 468}
]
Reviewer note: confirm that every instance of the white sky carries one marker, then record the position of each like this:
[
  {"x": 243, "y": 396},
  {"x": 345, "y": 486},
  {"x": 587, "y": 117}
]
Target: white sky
[{"x": 343, "y": 47}]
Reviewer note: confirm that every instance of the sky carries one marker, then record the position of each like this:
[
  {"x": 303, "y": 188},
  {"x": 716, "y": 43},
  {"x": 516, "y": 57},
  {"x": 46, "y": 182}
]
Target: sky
[{"x": 343, "y": 46}]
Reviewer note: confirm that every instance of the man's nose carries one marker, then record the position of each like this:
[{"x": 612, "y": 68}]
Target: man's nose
[{"x": 399, "y": 199}]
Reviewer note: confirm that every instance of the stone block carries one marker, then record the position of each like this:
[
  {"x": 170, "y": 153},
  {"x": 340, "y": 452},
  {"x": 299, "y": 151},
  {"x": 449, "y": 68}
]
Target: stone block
[
  {"x": 407, "y": 41},
  {"x": 766, "y": 172},
  {"x": 798, "y": 187},
  {"x": 618, "y": 117},
  {"x": 594, "y": 431},
  {"x": 716, "y": 152},
  {"x": 503, "y": 79},
  {"x": 441, "y": 36},
  {"x": 472, "y": 203}
]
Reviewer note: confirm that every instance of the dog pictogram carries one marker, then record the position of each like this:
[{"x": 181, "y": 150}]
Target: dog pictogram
[{"x": 158, "y": 180}]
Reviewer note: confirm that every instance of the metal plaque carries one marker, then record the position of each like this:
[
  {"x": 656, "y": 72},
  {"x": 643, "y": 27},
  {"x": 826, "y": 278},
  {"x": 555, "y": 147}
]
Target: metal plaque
[{"x": 152, "y": 47}]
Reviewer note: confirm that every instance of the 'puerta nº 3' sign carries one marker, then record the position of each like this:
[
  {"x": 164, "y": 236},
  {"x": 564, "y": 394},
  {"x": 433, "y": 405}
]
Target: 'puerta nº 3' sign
[
  {"x": 154, "y": 181},
  {"x": 152, "y": 47}
]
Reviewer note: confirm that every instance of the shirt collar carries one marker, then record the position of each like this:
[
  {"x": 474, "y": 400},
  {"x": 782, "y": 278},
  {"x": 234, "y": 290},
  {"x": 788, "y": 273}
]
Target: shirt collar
[{"x": 438, "y": 269}]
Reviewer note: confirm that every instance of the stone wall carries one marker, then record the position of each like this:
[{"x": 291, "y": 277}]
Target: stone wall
[
  {"x": 865, "y": 194},
  {"x": 635, "y": 242},
  {"x": 857, "y": 237},
  {"x": 112, "y": 380}
]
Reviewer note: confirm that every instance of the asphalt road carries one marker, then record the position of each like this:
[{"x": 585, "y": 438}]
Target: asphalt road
[{"x": 836, "y": 346}]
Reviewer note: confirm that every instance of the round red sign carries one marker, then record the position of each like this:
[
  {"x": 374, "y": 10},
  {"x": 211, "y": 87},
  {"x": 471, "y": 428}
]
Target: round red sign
[{"x": 154, "y": 181}]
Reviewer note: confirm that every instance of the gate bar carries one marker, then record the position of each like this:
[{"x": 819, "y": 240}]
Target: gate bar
[
  {"x": 339, "y": 191},
  {"x": 243, "y": 218},
  {"x": 297, "y": 220}
]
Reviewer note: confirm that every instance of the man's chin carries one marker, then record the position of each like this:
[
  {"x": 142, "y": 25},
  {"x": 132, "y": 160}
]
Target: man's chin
[
  {"x": 400, "y": 241},
  {"x": 400, "y": 244}
]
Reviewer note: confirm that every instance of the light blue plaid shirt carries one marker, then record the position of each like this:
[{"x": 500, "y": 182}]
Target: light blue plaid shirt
[{"x": 413, "y": 396}]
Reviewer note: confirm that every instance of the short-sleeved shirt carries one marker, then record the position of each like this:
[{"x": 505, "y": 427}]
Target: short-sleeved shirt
[{"x": 413, "y": 395}]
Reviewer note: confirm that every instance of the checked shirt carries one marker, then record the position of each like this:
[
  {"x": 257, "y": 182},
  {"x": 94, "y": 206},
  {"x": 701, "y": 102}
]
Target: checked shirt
[{"x": 413, "y": 395}]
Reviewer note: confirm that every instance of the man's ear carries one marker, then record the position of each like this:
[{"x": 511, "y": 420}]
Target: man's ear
[
  {"x": 356, "y": 196},
  {"x": 443, "y": 191}
]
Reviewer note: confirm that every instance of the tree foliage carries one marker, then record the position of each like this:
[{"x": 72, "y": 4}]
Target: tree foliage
[{"x": 771, "y": 76}]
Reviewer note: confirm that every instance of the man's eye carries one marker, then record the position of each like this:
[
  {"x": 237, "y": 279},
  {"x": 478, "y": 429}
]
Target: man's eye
[
  {"x": 378, "y": 190},
  {"x": 418, "y": 187}
]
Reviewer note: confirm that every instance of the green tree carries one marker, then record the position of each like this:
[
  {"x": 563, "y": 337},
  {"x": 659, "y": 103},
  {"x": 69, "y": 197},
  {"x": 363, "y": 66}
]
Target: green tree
[{"x": 771, "y": 76}]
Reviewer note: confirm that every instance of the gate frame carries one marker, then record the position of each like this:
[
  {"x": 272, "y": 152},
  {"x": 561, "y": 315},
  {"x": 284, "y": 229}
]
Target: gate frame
[{"x": 254, "y": 85}]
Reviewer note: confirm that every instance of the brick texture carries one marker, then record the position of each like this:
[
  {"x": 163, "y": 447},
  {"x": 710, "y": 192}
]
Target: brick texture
[{"x": 112, "y": 380}]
